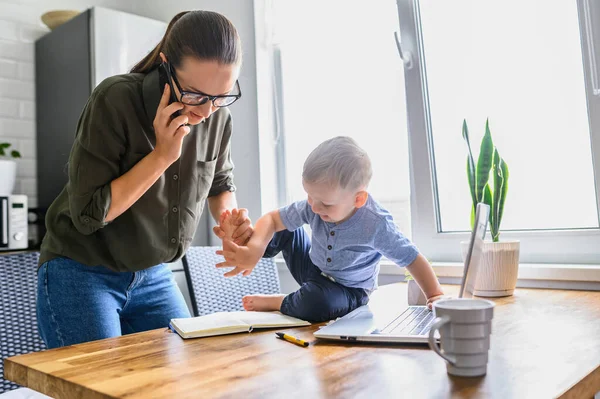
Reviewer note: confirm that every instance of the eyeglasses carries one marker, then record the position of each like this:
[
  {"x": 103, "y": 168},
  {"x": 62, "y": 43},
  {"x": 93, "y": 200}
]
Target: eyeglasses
[{"x": 199, "y": 98}]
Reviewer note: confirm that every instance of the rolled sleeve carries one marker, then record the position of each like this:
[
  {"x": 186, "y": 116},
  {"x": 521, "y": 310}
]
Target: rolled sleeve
[
  {"x": 223, "y": 178},
  {"x": 296, "y": 215},
  {"x": 94, "y": 163}
]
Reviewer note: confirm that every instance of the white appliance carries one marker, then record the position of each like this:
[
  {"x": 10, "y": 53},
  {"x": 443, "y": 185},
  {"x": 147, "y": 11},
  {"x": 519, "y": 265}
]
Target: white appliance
[
  {"x": 13, "y": 222},
  {"x": 412, "y": 324}
]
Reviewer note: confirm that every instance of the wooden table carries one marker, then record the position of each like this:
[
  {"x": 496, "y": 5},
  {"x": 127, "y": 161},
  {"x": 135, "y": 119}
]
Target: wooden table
[{"x": 545, "y": 343}]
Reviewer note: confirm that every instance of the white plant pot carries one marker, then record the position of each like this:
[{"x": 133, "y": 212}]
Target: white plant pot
[
  {"x": 499, "y": 268},
  {"x": 8, "y": 174},
  {"x": 416, "y": 297}
]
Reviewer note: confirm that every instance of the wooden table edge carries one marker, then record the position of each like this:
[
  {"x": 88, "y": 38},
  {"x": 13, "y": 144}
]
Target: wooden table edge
[
  {"x": 586, "y": 387},
  {"x": 40, "y": 382}
]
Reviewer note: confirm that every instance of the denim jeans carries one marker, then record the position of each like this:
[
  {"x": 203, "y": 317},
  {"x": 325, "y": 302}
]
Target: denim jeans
[
  {"x": 318, "y": 298},
  {"x": 78, "y": 303}
]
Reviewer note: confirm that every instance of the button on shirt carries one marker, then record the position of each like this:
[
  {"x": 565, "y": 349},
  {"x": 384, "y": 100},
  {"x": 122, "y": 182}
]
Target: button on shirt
[
  {"x": 114, "y": 133},
  {"x": 350, "y": 251}
]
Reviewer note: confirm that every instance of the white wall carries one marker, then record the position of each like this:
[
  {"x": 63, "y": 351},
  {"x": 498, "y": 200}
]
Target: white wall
[{"x": 20, "y": 26}]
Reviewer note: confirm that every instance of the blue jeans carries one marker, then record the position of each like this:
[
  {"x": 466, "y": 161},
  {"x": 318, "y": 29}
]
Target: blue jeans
[
  {"x": 78, "y": 303},
  {"x": 318, "y": 299}
]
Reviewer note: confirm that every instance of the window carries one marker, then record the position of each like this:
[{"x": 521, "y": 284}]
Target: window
[
  {"x": 341, "y": 75},
  {"x": 535, "y": 76}
]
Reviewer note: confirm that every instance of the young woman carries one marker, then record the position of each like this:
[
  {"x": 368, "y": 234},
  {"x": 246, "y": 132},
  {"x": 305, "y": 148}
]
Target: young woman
[{"x": 151, "y": 146}]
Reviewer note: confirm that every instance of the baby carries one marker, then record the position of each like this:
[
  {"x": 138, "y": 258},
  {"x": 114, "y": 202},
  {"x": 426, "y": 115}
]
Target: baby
[{"x": 337, "y": 267}]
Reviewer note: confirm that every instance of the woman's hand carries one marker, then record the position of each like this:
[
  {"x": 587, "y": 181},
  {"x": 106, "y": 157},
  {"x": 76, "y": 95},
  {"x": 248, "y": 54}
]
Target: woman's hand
[
  {"x": 169, "y": 131},
  {"x": 235, "y": 225},
  {"x": 243, "y": 226}
]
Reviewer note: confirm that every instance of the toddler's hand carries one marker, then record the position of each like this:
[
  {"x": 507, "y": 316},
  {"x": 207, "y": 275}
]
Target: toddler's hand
[
  {"x": 243, "y": 259},
  {"x": 434, "y": 298}
]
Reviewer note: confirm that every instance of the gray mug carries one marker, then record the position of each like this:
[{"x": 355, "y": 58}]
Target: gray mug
[{"x": 464, "y": 325}]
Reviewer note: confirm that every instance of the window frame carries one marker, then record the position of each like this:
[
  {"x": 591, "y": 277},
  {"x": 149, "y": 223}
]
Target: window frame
[{"x": 575, "y": 246}]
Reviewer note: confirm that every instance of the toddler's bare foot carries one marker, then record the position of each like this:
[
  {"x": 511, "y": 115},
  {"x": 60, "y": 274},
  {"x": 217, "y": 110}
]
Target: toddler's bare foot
[{"x": 262, "y": 303}]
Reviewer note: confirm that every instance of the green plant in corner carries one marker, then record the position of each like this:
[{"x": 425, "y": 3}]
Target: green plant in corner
[
  {"x": 488, "y": 180},
  {"x": 4, "y": 147}
]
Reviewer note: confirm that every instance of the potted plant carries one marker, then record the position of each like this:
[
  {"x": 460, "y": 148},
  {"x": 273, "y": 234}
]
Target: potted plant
[
  {"x": 416, "y": 297},
  {"x": 488, "y": 183},
  {"x": 8, "y": 169}
]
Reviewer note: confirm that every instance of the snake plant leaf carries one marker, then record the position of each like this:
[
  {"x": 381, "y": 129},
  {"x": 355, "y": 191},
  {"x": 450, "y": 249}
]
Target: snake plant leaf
[
  {"x": 470, "y": 162},
  {"x": 471, "y": 181},
  {"x": 487, "y": 199},
  {"x": 504, "y": 168},
  {"x": 498, "y": 183},
  {"x": 484, "y": 163}
]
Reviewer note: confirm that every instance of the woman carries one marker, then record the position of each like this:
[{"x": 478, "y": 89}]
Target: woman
[{"x": 142, "y": 165}]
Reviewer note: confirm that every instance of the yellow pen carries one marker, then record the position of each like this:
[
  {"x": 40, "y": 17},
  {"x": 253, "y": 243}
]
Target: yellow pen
[{"x": 291, "y": 339}]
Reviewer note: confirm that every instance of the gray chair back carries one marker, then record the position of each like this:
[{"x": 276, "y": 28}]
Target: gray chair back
[
  {"x": 210, "y": 292},
  {"x": 18, "y": 323}
]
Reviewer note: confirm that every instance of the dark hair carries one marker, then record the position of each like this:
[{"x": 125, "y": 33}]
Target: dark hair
[{"x": 205, "y": 35}]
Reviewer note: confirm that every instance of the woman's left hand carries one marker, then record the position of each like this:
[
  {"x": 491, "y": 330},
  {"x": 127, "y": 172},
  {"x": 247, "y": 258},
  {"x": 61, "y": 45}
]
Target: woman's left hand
[
  {"x": 244, "y": 229},
  {"x": 242, "y": 226}
]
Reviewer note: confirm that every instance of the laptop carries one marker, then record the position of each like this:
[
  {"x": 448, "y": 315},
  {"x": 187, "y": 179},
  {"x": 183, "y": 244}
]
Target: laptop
[{"x": 411, "y": 324}]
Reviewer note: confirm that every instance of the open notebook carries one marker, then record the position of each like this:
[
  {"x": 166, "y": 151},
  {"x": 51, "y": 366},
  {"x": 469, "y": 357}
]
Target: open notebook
[{"x": 231, "y": 322}]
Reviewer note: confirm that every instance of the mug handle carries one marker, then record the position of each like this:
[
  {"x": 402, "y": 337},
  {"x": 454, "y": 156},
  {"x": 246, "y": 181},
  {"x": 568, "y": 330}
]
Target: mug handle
[{"x": 437, "y": 324}]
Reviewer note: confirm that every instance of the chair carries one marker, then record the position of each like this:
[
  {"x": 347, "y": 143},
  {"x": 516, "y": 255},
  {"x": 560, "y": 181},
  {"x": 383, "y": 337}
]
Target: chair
[
  {"x": 211, "y": 292},
  {"x": 18, "y": 322}
]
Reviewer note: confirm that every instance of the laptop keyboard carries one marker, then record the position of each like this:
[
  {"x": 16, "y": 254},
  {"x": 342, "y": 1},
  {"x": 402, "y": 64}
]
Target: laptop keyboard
[{"x": 416, "y": 320}]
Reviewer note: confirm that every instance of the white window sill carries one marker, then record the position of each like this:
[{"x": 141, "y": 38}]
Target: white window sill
[
  {"x": 527, "y": 271},
  {"x": 538, "y": 275}
]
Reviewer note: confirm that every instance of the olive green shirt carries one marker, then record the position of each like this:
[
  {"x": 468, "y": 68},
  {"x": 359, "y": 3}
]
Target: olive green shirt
[{"x": 113, "y": 134}]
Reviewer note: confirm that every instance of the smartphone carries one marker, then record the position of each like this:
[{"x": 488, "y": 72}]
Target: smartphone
[{"x": 163, "y": 78}]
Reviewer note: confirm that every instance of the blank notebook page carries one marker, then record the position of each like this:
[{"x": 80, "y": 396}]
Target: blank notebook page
[
  {"x": 240, "y": 321},
  {"x": 269, "y": 319}
]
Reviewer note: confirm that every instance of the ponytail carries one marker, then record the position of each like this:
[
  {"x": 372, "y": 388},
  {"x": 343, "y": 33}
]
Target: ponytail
[
  {"x": 205, "y": 35},
  {"x": 151, "y": 60}
]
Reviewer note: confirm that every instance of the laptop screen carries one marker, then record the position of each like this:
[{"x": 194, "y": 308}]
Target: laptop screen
[{"x": 473, "y": 257}]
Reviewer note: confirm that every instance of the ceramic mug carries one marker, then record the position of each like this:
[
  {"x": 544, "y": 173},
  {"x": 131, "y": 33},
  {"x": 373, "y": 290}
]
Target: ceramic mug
[{"x": 464, "y": 325}]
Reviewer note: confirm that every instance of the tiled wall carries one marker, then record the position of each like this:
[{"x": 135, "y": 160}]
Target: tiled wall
[
  {"x": 18, "y": 31},
  {"x": 20, "y": 26}
]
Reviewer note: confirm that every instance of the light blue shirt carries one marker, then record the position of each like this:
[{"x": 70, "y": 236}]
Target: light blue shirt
[{"x": 350, "y": 251}]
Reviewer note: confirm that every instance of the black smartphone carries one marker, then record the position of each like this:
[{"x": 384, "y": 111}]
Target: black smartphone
[{"x": 163, "y": 78}]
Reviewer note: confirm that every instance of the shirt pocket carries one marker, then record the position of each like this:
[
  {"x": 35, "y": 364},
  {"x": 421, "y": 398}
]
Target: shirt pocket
[{"x": 206, "y": 174}]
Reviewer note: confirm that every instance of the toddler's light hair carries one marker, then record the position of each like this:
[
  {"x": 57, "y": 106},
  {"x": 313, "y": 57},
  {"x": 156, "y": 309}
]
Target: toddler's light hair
[{"x": 338, "y": 161}]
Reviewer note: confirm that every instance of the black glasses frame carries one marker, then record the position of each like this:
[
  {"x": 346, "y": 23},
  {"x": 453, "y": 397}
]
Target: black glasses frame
[{"x": 171, "y": 75}]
